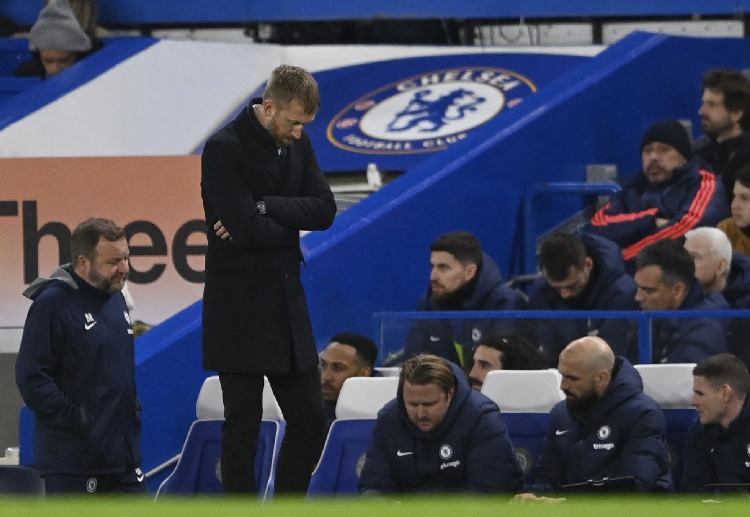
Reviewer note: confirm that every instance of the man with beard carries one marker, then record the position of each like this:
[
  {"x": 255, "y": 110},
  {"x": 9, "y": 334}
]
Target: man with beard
[
  {"x": 462, "y": 278},
  {"x": 438, "y": 435},
  {"x": 582, "y": 272},
  {"x": 725, "y": 119},
  {"x": 673, "y": 194},
  {"x": 605, "y": 428},
  {"x": 76, "y": 369}
]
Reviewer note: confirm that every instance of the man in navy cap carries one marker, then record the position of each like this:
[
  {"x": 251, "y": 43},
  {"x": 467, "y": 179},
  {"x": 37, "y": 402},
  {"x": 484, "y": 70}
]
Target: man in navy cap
[{"x": 674, "y": 193}]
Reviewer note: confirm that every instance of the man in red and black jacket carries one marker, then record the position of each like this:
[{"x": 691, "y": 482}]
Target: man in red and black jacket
[{"x": 675, "y": 193}]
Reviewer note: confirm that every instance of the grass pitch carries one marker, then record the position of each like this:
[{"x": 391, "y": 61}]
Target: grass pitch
[{"x": 424, "y": 506}]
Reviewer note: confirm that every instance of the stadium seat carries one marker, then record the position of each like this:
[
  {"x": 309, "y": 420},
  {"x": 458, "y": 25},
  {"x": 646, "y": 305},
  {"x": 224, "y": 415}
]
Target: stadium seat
[
  {"x": 198, "y": 470},
  {"x": 525, "y": 397},
  {"x": 210, "y": 404},
  {"x": 524, "y": 391},
  {"x": 350, "y": 434},
  {"x": 20, "y": 480},
  {"x": 389, "y": 371},
  {"x": 342, "y": 459},
  {"x": 671, "y": 386},
  {"x": 362, "y": 397}
]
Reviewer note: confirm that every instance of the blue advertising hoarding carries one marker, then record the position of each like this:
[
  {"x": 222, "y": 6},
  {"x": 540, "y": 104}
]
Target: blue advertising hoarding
[{"x": 399, "y": 112}]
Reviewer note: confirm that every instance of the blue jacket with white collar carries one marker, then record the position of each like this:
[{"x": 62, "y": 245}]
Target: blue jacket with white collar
[
  {"x": 468, "y": 451},
  {"x": 620, "y": 435},
  {"x": 76, "y": 371}
]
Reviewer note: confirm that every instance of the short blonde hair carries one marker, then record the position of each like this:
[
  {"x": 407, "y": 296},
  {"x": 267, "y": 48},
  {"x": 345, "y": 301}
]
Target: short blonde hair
[{"x": 428, "y": 369}]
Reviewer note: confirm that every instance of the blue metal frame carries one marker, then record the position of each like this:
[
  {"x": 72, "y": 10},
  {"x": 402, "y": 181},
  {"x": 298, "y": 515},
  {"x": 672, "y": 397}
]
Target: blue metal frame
[
  {"x": 553, "y": 188},
  {"x": 643, "y": 318}
]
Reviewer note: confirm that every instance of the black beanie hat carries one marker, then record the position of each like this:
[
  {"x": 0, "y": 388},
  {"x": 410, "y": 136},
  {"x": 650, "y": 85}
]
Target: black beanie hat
[{"x": 669, "y": 132}]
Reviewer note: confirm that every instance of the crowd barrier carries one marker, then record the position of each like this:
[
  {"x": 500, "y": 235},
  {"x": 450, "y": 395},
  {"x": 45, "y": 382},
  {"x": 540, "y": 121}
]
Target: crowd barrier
[{"x": 391, "y": 328}]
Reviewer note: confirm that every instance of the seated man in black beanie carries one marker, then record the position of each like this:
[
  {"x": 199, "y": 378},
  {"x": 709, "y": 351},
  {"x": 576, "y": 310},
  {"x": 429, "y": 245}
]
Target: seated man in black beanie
[{"x": 674, "y": 193}]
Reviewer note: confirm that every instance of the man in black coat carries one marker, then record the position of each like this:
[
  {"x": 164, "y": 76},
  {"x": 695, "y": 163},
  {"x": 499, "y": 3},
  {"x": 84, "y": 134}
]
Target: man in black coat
[
  {"x": 718, "y": 444},
  {"x": 261, "y": 184}
]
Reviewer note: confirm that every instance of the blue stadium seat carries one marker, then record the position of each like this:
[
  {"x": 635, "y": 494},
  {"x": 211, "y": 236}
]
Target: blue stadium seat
[
  {"x": 350, "y": 434},
  {"x": 198, "y": 470},
  {"x": 20, "y": 480},
  {"x": 343, "y": 455},
  {"x": 671, "y": 386},
  {"x": 526, "y": 432}
]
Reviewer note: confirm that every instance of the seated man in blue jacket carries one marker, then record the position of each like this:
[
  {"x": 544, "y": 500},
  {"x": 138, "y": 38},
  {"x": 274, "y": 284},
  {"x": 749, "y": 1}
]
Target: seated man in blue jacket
[
  {"x": 723, "y": 273},
  {"x": 665, "y": 278},
  {"x": 605, "y": 428},
  {"x": 718, "y": 445},
  {"x": 674, "y": 193},
  {"x": 439, "y": 435},
  {"x": 582, "y": 272},
  {"x": 462, "y": 278}
]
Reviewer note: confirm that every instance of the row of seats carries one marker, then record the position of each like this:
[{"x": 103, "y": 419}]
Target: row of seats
[{"x": 525, "y": 411}]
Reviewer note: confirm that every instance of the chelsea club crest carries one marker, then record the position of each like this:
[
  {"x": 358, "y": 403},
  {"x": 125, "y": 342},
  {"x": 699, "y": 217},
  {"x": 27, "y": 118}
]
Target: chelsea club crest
[{"x": 426, "y": 112}]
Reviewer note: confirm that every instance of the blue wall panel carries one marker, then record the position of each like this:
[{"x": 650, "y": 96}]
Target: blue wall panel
[
  {"x": 144, "y": 12},
  {"x": 375, "y": 258},
  {"x": 169, "y": 376}
]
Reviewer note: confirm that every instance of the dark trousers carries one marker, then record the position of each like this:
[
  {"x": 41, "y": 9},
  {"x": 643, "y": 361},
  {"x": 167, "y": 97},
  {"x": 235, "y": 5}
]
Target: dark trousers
[{"x": 301, "y": 402}]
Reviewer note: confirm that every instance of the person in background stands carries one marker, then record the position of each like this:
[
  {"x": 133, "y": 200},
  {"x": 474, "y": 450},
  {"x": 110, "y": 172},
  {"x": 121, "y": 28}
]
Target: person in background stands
[
  {"x": 56, "y": 40},
  {"x": 737, "y": 227},
  {"x": 673, "y": 194},
  {"x": 725, "y": 119},
  {"x": 511, "y": 352}
]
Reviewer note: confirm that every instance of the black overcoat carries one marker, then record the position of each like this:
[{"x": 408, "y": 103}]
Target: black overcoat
[{"x": 255, "y": 315}]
